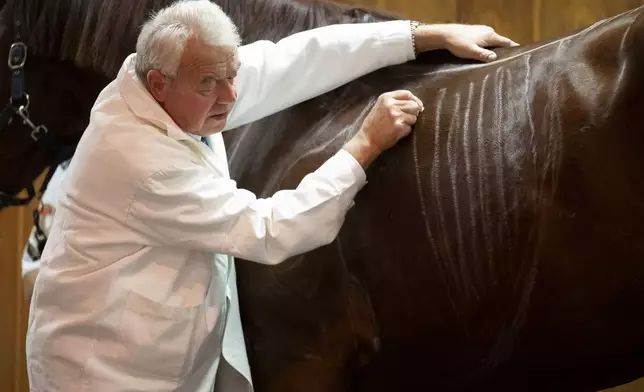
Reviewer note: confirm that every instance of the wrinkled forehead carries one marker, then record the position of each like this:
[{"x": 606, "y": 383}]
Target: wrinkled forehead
[
  {"x": 227, "y": 64},
  {"x": 219, "y": 61}
]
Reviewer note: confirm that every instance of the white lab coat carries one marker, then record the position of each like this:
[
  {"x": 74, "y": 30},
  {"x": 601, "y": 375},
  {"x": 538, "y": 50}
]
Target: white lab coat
[{"x": 137, "y": 287}]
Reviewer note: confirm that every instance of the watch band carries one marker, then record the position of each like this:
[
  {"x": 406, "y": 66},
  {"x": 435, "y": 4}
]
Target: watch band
[{"x": 413, "y": 24}]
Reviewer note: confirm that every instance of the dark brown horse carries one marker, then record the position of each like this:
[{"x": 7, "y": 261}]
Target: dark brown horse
[{"x": 496, "y": 249}]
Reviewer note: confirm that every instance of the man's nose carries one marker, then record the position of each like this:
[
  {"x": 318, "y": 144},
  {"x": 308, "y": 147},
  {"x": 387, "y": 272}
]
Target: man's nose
[{"x": 227, "y": 93}]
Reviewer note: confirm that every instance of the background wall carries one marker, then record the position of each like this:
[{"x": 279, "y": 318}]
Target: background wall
[
  {"x": 15, "y": 226},
  {"x": 524, "y": 21}
]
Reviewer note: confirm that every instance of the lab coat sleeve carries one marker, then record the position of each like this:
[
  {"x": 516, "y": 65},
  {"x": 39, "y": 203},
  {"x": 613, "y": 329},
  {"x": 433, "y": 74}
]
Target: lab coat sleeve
[
  {"x": 275, "y": 76},
  {"x": 189, "y": 207}
]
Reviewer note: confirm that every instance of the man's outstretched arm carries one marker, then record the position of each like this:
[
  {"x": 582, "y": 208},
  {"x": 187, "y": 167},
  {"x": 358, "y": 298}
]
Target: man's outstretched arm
[{"x": 275, "y": 76}]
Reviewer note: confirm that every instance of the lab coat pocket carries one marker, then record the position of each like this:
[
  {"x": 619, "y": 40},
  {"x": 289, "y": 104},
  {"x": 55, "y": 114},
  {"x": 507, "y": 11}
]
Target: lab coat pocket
[{"x": 161, "y": 340}]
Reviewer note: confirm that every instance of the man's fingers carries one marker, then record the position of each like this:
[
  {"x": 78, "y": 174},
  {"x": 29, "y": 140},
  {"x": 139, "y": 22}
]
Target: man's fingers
[
  {"x": 406, "y": 96},
  {"x": 409, "y": 119},
  {"x": 401, "y": 94},
  {"x": 411, "y": 106},
  {"x": 498, "y": 40},
  {"x": 420, "y": 103},
  {"x": 404, "y": 126},
  {"x": 482, "y": 54},
  {"x": 495, "y": 41}
]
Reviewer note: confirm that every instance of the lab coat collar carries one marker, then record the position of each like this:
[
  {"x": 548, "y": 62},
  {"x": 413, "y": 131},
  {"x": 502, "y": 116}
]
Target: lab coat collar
[{"x": 142, "y": 103}]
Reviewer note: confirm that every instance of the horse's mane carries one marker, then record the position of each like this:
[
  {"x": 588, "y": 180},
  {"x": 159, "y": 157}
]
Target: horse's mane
[{"x": 99, "y": 34}]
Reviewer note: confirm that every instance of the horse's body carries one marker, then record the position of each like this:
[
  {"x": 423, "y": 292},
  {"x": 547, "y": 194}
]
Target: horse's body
[{"x": 495, "y": 249}]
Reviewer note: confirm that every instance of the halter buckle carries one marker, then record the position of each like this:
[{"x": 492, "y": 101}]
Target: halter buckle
[{"x": 17, "y": 56}]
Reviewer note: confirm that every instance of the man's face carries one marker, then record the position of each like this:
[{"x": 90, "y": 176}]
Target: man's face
[{"x": 202, "y": 94}]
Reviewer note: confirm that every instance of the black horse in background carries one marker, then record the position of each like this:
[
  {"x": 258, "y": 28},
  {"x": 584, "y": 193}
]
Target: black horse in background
[{"x": 498, "y": 248}]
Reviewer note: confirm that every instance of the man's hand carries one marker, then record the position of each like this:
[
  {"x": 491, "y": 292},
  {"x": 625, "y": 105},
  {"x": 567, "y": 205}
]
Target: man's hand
[
  {"x": 462, "y": 40},
  {"x": 388, "y": 121}
]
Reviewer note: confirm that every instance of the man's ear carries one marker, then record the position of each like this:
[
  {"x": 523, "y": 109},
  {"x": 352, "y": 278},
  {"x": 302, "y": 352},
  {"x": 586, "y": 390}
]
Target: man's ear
[{"x": 157, "y": 85}]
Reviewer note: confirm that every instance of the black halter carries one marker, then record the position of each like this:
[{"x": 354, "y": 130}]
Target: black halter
[{"x": 17, "y": 110}]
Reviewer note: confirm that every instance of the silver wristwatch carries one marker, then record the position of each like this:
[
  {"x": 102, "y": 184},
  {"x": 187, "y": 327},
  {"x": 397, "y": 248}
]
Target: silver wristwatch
[{"x": 413, "y": 26}]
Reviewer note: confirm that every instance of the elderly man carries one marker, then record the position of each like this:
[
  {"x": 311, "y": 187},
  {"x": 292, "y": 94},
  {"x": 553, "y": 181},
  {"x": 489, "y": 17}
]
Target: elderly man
[{"x": 137, "y": 284}]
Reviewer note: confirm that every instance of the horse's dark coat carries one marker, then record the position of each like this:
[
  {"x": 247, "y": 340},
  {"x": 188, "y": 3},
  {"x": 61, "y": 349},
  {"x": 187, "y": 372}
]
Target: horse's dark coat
[{"x": 496, "y": 249}]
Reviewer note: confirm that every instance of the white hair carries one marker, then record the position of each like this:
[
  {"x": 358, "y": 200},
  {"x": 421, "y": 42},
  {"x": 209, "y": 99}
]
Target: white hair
[{"x": 163, "y": 37}]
